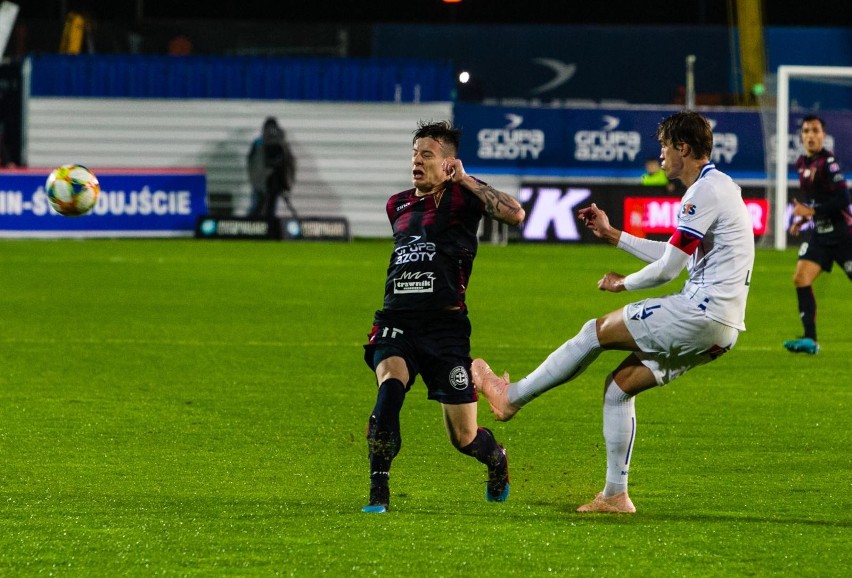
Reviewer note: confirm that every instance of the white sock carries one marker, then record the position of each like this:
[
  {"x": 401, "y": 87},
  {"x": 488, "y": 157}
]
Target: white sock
[
  {"x": 619, "y": 427},
  {"x": 570, "y": 360}
]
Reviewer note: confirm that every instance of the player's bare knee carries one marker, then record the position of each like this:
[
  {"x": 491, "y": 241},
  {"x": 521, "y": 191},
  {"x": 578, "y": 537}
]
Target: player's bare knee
[{"x": 603, "y": 326}]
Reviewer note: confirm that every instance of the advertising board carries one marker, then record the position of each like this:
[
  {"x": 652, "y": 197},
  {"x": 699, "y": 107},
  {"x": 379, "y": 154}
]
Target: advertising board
[{"x": 132, "y": 203}]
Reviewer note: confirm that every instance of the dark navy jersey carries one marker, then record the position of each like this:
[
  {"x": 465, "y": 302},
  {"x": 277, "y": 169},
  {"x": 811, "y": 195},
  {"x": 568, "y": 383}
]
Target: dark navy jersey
[
  {"x": 434, "y": 244},
  {"x": 823, "y": 187}
]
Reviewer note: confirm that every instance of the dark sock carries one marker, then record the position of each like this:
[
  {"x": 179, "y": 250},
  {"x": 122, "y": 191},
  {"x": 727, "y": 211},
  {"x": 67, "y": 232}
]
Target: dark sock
[
  {"x": 384, "y": 439},
  {"x": 484, "y": 448},
  {"x": 807, "y": 310}
]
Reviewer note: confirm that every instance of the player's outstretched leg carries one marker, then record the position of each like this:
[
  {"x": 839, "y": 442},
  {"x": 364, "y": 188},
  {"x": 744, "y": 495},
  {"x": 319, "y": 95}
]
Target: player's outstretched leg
[{"x": 494, "y": 389}]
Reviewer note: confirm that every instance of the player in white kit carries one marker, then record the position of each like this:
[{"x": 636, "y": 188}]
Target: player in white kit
[{"x": 666, "y": 336}]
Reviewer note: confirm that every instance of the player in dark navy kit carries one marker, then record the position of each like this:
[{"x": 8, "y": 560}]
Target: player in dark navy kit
[
  {"x": 826, "y": 201},
  {"x": 423, "y": 326}
]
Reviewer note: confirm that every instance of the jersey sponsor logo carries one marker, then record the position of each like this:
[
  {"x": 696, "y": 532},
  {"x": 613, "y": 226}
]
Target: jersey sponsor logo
[
  {"x": 414, "y": 282},
  {"x": 415, "y": 252},
  {"x": 824, "y": 226},
  {"x": 404, "y": 206},
  {"x": 459, "y": 378},
  {"x": 688, "y": 211}
]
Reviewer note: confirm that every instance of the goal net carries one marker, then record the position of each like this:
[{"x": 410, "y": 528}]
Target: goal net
[{"x": 792, "y": 94}]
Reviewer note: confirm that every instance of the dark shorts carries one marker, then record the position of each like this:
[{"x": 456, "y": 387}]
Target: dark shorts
[
  {"x": 434, "y": 345},
  {"x": 826, "y": 254}
]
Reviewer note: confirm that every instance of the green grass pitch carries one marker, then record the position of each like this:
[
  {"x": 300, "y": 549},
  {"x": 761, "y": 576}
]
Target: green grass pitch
[{"x": 190, "y": 408}]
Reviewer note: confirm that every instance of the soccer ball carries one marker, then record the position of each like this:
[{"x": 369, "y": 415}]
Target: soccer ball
[{"x": 72, "y": 190}]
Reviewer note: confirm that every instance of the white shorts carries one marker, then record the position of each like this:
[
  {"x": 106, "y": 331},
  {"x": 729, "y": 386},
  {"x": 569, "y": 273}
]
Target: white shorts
[{"x": 674, "y": 335}]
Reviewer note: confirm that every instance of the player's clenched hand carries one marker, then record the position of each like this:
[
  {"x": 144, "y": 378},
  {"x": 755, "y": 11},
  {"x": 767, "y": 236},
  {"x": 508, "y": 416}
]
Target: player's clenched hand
[
  {"x": 612, "y": 282},
  {"x": 453, "y": 169},
  {"x": 595, "y": 220}
]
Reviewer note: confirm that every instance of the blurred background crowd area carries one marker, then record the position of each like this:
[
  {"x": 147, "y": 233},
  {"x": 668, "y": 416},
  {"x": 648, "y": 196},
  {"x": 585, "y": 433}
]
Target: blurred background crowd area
[{"x": 539, "y": 50}]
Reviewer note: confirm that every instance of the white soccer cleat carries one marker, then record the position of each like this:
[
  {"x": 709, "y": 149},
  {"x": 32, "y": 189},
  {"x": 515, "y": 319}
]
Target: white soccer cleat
[{"x": 495, "y": 389}]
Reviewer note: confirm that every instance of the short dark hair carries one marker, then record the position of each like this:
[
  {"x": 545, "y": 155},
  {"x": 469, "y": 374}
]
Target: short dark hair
[
  {"x": 812, "y": 117},
  {"x": 687, "y": 127},
  {"x": 442, "y": 131}
]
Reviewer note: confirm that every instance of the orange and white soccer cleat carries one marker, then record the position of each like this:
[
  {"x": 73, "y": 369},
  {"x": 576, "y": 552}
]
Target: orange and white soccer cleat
[{"x": 495, "y": 389}]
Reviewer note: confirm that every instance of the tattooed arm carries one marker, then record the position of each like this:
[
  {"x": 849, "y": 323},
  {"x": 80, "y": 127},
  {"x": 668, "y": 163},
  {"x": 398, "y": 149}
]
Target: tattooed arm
[{"x": 498, "y": 204}]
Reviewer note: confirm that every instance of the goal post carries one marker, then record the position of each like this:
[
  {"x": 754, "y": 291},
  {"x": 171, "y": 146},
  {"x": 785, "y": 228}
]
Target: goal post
[{"x": 786, "y": 73}]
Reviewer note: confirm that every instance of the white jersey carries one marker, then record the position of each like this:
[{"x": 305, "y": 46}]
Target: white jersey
[{"x": 720, "y": 269}]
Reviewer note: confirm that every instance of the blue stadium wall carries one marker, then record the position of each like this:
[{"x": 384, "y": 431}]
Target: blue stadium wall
[
  {"x": 637, "y": 65},
  {"x": 544, "y": 64},
  {"x": 242, "y": 77}
]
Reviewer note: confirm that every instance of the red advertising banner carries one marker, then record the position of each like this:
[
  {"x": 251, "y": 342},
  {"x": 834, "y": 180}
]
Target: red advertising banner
[
  {"x": 643, "y": 211},
  {"x": 658, "y": 215}
]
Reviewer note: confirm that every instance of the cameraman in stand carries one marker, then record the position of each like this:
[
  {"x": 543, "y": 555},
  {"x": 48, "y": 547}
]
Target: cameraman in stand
[{"x": 271, "y": 171}]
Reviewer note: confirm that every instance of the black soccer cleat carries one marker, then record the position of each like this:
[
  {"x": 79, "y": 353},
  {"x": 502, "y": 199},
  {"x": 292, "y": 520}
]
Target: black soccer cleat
[
  {"x": 379, "y": 500},
  {"x": 497, "y": 487}
]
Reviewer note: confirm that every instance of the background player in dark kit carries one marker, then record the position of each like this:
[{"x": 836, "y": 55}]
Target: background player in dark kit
[{"x": 825, "y": 199}]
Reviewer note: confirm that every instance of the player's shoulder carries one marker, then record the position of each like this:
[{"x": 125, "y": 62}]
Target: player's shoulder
[
  {"x": 831, "y": 162},
  {"x": 405, "y": 193},
  {"x": 401, "y": 197},
  {"x": 398, "y": 202},
  {"x": 713, "y": 180},
  {"x": 713, "y": 188}
]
